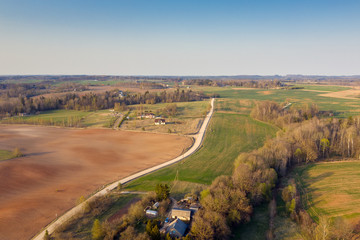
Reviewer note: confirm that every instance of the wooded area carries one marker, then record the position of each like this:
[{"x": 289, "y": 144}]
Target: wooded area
[
  {"x": 231, "y": 199},
  {"x": 92, "y": 101}
]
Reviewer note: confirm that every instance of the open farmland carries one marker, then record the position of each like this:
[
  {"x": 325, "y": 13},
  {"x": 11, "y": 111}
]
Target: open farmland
[
  {"x": 67, "y": 118},
  {"x": 63, "y": 164},
  {"x": 223, "y": 143},
  {"x": 331, "y": 189},
  {"x": 326, "y": 101}
]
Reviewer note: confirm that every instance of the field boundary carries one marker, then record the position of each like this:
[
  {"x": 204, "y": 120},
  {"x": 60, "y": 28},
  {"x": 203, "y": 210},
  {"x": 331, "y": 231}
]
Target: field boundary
[{"x": 199, "y": 137}]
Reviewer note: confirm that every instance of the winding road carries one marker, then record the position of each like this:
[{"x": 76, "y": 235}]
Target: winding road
[{"x": 197, "y": 144}]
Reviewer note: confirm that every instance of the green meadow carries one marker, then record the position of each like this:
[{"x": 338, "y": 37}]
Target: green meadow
[
  {"x": 330, "y": 189},
  {"x": 65, "y": 118},
  {"x": 299, "y": 97},
  {"x": 5, "y": 155}
]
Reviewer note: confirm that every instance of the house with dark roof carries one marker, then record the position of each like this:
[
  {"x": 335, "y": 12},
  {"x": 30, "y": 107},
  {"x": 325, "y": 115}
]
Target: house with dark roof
[
  {"x": 160, "y": 121},
  {"x": 177, "y": 228}
]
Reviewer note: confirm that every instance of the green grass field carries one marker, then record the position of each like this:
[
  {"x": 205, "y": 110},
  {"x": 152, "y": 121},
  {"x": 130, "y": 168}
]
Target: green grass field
[
  {"x": 68, "y": 118},
  {"x": 99, "y": 119},
  {"x": 258, "y": 226},
  {"x": 5, "y": 155},
  {"x": 53, "y": 117},
  {"x": 329, "y": 88},
  {"x": 330, "y": 189},
  {"x": 299, "y": 97},
  {"x": 226, "y": 137}
]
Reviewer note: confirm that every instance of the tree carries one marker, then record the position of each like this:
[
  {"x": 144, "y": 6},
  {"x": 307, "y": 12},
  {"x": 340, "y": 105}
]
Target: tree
[
  {"x": 119, "y": 186},
  {"x": 46, "y": 235},
  {"x": 130, "y": 233},
  {"x": 209, "y": 225},
  {"x": 162, "y": 191},
  {"x": 17, "y": 153},
  {"x": 97, "y": 232},
  {"x": 171, "y": 109},
  {"x": 325, "y": 144},
  {"x": 299, "y": 155},
  {"x": 86, "y": 207}
]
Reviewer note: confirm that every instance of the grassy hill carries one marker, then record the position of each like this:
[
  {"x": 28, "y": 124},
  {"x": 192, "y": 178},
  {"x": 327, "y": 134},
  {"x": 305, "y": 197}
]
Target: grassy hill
[
  {"x": 228, "y": 135},
  {"x": 331, "y": 189}
]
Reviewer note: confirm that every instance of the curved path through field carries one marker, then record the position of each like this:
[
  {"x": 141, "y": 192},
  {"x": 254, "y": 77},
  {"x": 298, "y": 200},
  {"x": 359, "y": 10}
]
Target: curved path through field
[{"x": 198, "y": 140}]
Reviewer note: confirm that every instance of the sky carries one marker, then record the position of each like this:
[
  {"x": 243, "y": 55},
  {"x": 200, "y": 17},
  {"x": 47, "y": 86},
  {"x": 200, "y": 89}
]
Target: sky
[{"x": 187, "y": 37}]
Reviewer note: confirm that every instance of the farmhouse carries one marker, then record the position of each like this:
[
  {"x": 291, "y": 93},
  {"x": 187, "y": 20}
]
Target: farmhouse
[
  {"x": 149, "y": 115},
  {"x": 177, "y": 228},
  {"x": 159, "y": 121},
  {"x": 183, "y": 214}
]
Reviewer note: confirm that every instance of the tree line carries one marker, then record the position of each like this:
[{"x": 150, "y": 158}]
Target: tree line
[
  {"x": 283, "y": 114},
  {"x": 92, "y": 101},
  {"x": 238, "y": 83}
]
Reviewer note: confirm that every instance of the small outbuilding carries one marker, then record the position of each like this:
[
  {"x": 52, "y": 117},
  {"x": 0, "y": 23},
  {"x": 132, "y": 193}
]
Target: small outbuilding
[
  {"x": 156, "y": 205},
  {"x": 194, "y": 208},
  {"x": 160, "y": 121},
  {"x": 151, "y": 213}
]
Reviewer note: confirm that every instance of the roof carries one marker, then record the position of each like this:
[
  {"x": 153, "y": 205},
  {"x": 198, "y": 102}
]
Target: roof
[
  {"x": 159, "y": 120},
  {"x": 185, "y": 213},
  {"x": 178, "y": 225},
  {"x": 152, "y": 212}
]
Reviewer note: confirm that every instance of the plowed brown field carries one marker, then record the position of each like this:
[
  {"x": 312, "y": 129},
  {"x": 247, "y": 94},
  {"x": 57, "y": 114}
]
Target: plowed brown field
[{"x": 63, "y": 164}]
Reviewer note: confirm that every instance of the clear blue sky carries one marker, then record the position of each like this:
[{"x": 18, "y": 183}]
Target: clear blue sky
[{"x": 187, "y": 37}]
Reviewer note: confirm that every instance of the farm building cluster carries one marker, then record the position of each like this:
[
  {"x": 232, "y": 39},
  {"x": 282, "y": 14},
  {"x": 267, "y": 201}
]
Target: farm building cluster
[
  {"x": 150, "y": 115},
  {"x": 179, "y": 217}
]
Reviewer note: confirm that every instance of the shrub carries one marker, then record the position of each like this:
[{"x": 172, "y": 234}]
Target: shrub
[
  {"x": 17, "y": 153},
  {"x": 97, "y": 232}
]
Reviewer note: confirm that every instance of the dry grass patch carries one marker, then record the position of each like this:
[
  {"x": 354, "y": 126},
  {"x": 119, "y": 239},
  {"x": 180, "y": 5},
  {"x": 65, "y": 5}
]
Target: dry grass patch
[
  {"x": 347, "y": 94},
  {"x": 265, "y": 92}
]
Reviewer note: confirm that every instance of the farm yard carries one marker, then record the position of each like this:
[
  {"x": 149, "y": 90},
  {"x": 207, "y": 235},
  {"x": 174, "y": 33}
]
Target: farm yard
[
  {"x": 187, "y": 118},
  {"x": 60, "y": 165}
]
